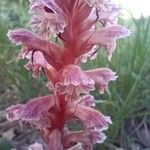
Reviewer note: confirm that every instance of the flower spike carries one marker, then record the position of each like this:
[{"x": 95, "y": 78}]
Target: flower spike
[{"x": 81, "y": 27}]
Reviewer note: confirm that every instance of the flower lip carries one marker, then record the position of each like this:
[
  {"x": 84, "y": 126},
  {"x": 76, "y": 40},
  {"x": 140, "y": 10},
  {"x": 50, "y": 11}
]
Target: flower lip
[{"x": 74, "y": 75}]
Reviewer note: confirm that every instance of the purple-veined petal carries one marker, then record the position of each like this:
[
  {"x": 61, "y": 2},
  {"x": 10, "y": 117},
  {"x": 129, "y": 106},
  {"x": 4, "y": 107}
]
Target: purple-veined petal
[
  {"x": 47, "y": 15},
  {"x": 55, "y": 140},
  {"x": 36, "y": 62},
  {"x": 106, "y": 37},
  {"x": 73, "y": 74},
  {"x": 109, "y": 16},
  {"x": 13, "y": 112},
  {"x": 87, "y": 138},
  {"x": 34, "y": 112},
  {"x": 37, "y": 107},
  {"x": 33, "y": 42},
  {"x": 107, "y": 10},
  {"x": 102, "y": 77},
  {"x": 91, "y": 55},
  {"x": 74, "y": 81},
  {"x": 89, "y": 117},
  {"x": 99, "y": 4},
  {"x": 80, "y": 15},
  {"x": 89, "y": 22},
  {"x": 86, "y": 100},
  {"x": 24, "y": 36},
  {"x": 29, "y": 40},
  {"x": 95, "y": 2},
  {"x": 72, "y": 92}
]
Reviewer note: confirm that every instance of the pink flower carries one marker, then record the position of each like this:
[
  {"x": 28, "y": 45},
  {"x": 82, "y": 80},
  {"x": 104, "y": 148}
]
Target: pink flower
[
  {"x": 13, "y": 112},
  {"x": 73, "y": 81},
  {"x": 74, "y": 23},
  {"x": 47, "y": 16},
  {"x": 36, "y": 62},
  {"x": 87, "y": 100},
  {"x": 32, "y": 42},
  {"x": 90, "y": 118},
  {"x": 105, "y": 37},
  {"x": 102, "y": 76},
  {"x": 88, "y": 138},
  {"x": 34, "y": 112}
]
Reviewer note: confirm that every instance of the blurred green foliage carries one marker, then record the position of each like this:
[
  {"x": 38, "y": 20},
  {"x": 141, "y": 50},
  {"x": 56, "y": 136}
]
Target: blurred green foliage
[
  {"x": 5, "y": 144},
  {"x": 128, "y": 97}
]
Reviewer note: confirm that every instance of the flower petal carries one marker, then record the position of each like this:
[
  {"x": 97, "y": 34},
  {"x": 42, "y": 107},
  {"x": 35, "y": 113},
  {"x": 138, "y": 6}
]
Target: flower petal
[
  {"x": 81, "y": 16},
  {"x": 34, "y": 112},
  {"x": 45, "y": 15},
  {"x": 107, "y": 11},
  {"x": 13, "y": 112},
  {"x": 36, "y": 107},
  {"x": 92, "y": 119},
  {"x": 87, "y": 100},
  {"x": 87, "y": 138},
  {"x": 105, "y": 37},
  {"x": 102, "y": 76},
  {"x": 32, "y": 42},
  {"x": 74, "y": 81},
  {"x": 73, "y": 74},
  {"x": 89, "y": 22},
  {"x": 55, "y": 142},
  {"x": 109, "y": 16},
  {"x": 99, "y": 4},
  {"x": 91, "y": 55},
  {"x": 36, "y": 62},
  {"x": 27, "y": 38}
]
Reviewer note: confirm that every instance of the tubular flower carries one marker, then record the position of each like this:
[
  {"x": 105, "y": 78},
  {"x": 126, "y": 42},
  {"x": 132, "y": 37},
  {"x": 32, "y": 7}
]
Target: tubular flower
[{"x": 74, "y": 23}]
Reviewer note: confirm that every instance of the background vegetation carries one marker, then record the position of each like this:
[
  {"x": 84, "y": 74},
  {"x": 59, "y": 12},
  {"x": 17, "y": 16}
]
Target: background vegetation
[{"x": 127, "y": 100}]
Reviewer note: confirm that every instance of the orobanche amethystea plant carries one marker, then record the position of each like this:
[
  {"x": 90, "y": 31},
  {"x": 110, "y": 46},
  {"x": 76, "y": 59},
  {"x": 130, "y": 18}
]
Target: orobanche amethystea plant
[{"x": 81, "y": 27}]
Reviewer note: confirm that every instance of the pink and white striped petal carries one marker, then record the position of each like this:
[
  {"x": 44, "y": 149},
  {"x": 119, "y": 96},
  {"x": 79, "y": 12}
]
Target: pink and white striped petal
[
  {"x": 102, "y": 77},
  {"x": 36, "y": 62},
  {"x": 34, "y": 112},
  {"x": 87, "y": 138},
  {"x": 105, "y": 37},
  {"x": 32, "y": 42},
  {"x": 74, "y": 81},
  {"x": 13, "y": 112},
  {"x": 91, "y": 118},
  {"x": 55, "y": 140},
  {"x": 86, "y": 100},
  {"x": 47, "y": 15}
]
